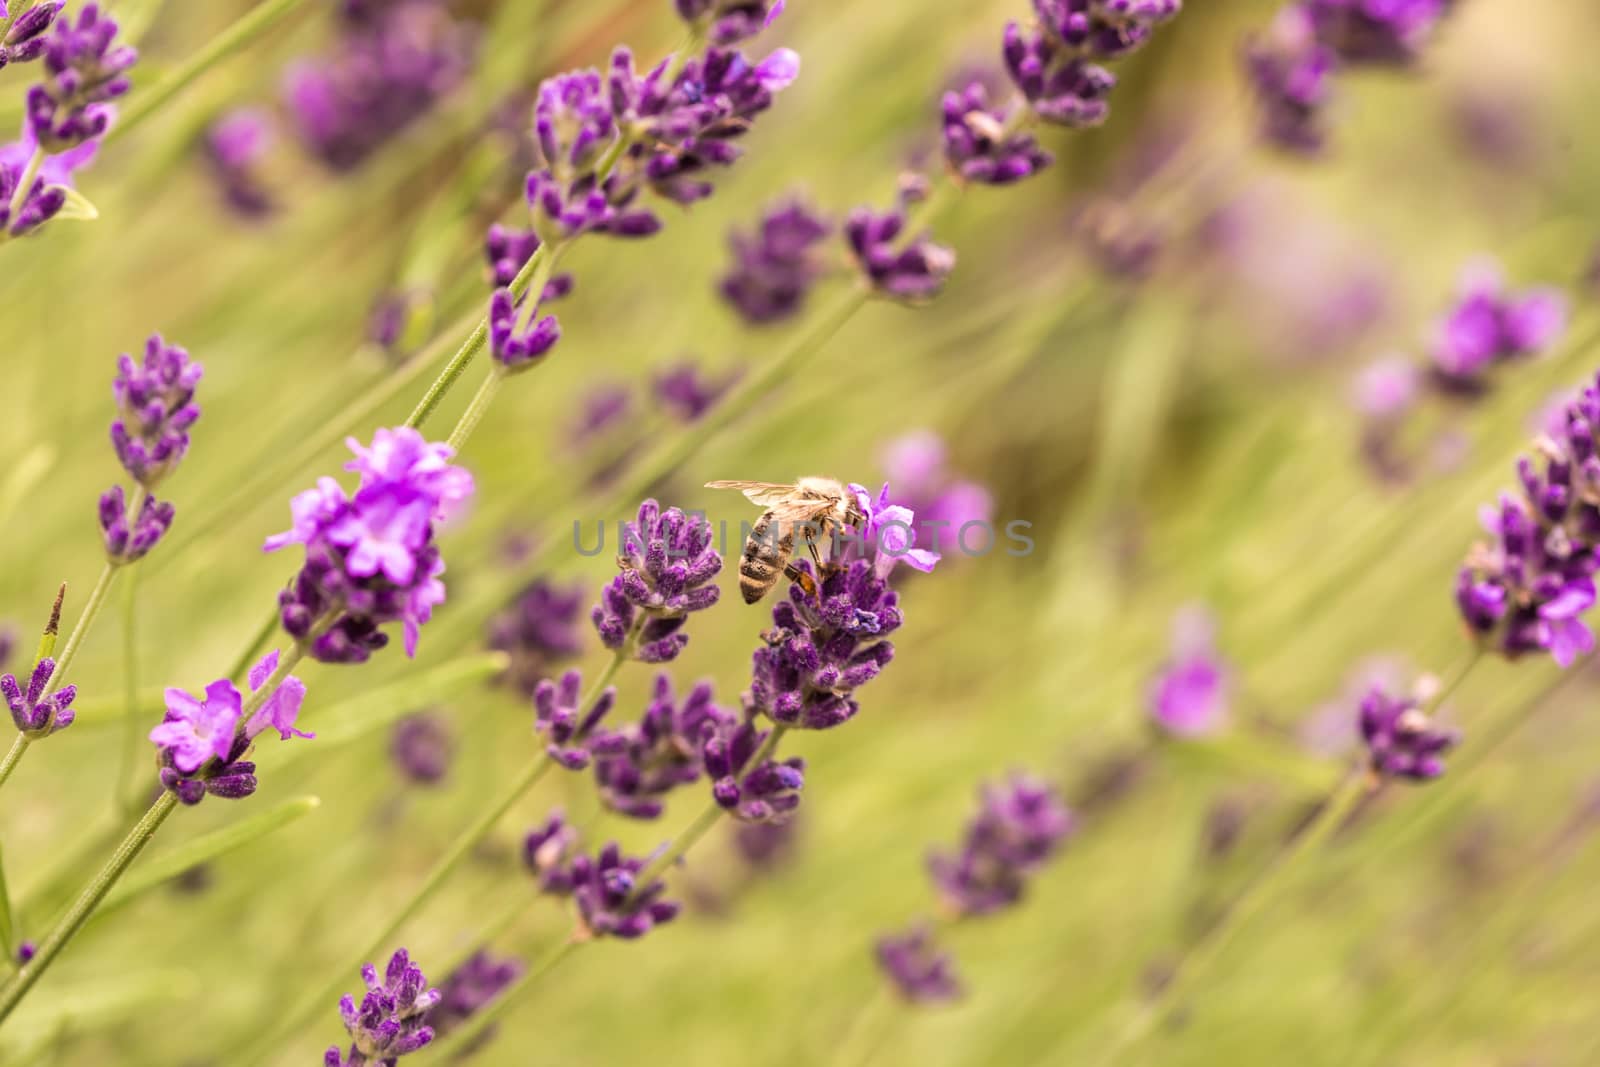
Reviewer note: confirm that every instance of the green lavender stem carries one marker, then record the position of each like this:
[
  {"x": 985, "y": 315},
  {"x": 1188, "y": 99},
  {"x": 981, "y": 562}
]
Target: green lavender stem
[
  {"x": 148, "y": 102},
  {"x": 475, "y": 410},
  {"x": 13, "y": 757},
  {"x": 17, "y": 986},
  {"x": 1261, "y": 893},
  {"x": 125, "y": 796}
]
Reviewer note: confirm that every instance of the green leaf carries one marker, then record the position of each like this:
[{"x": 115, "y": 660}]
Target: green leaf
[
  {"x": 77, "y": 205},
  {"x": 204, "y": 848}
]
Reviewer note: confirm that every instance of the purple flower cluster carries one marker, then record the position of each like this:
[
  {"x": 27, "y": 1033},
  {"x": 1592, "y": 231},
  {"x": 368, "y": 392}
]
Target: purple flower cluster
[
  {"x": 36, "y": 711},
  {"x": 684, "y": 392},
  {"x": 669, "y": 571},
  {"x": 1019, "y": 827},
  {"x": 469, "y": 989},
  {"x": 200, "y": 740},
  {"x": 983, "y": 144},
  {"x": 390, "y": 67},
  {"x": 547, "y": 852},
  {"x": 508, "y": 251},
  {"x": 519, "y": 339},
  {"x": 47, "y": 194},
  {"x": 1489, "y": 326},
  {"x": 910, "y": 269},
  {"x": 775, "y": 267},
  {"x": 1528, "y": 588},
  {"x": 921, "y": 973},
  {"x": 822, "y": 647},
  {"x": 25, "y": 40},
  {"x": 156, "y": 409},
  {"x": 660, "y": 753},
  {"x": 538, "y": 630},
  {"x": 754, "y": 793},
  {"x": 370, "y": 557},
  {"x": 1401, "y": 740},
  {"x": 234, "y": 147},
  {"x": 1292, "y": 66},
  {"x": 610, "y": 900},
  {"x": 572, "y": 735},
  {"x": 84, "y": 69},
  {"x": 726, "y": 22},
  {"x": 390, "y": 1020},
  {"x": 917, "y": 465}
]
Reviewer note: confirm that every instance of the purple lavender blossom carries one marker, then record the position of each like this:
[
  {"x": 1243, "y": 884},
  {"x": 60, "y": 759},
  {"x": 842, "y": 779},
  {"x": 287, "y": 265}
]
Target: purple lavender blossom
[
  {"x": 469, "y": 989},
  {"x": 669, "y": 571},
  {"x": 547, "y": 852},
  {"x": 610, "y": 901},
  {"x": 38, "y": 712},
  {"x": 728, "y": 22},
  {"x": 889, "y": 535},
  {"x": 156, "y": 408},
  {"x": 200, "y": 740},
  {"x": 1061, "y": 87},
  {"x": 1387, "y": 389},
  {"x": 390, "y": 1020},
  {"x": 775, "y": 267},
  {"x": 538, "y": 631},
  {"x": 48, "y": 194},
  {"x": 370, "y": 557},
  {"x": 660, "y": 753},
  {"x": 1401, "y": 740},
  {"x": 235, "y": 146},
  {"x": 26, "y": 40},
  {"x": 822, "y": 647},
  {"x": 908, "y": 269},
  {"x": 400, "y": 320},
  {"x": 1376, "y": 32},
  {"x": 980, "y": 143},
  {"x": 1189, "y": 695},
  {"x": 517, "y": 342},
  {"x": 687, "y": 394},
  {"x": 130, "y": 540},
  {"x": 1291, "y": 74},
  {"x": 572, "y": 735},
  {"x": 765, "y": 845},
  {"x": 1489, "y": 326},
  {"x": 1019, "y": 827},
  {"x": 8, "y": 643},
  {"x": 574, "y": 125},
  {"x": 1527, "y": 589},
  {"x": 767, "y": 792},
  {"x": 85, "y": 69},
  {"x": 602, "y": 407},
  {"x": 920, "y": 972},
  {"x": 385, "y": 73},
  {"x": 421, "y": 748},
  {"x": 1103, "y": 29},
  {"x": 508, "y": 251}
]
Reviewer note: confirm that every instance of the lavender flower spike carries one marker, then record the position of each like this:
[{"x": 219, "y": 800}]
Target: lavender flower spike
[
  {"x": 920, "y": 972},
  {"x": 729, "y": 21},
  {"x": 26, "y": 41},
  {"x": 660, "y": 753},
  {"x": 37, "y": 712},
  {"x": 48, "y": 194},
  {"x": 421, "y": 748},
  {"x": 980, "y": 144},
  {"x": 822, "y": 647},
  {"x": 765, "y": 793},
  {"x": 84, "y": 69},
  {"x": 155, "y": 402},
  {"x": 911, "y": 270},
  {"x": 1489, "y": 326},
  {"x": 573, "y": 735},
  {"x": 370, "y": 557},
  {"x": 517, "y": 346},
  {"x": 1189, "y": 697},
  {"x": 775, "y": 267},
  {"x": 1018, "y": 828},
  {"x": 130, "y": 539},
  {"x": 548, "y": 851},
  {"x": 468, "y": 990},
  {"x": 1401, "y": 740},
  {"x": 538, "y": 630},
  {"x": 610, "y": 901},
  {"x": 389, "y": 1021},
  {"x": 668, "y": 573},
  {"x": 1291, "y": 74}
]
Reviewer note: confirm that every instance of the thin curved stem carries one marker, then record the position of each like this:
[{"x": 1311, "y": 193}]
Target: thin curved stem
[
  {"x": 91, "y": 610},
  {"x": 124, "y": 798},
  {"x": 13, "y": 757},
  {"x": 17, "y": 986},
  {"x": 475, "y": 410}
]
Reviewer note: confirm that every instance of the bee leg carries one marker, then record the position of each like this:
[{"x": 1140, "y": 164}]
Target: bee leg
[{"x": 804, "y": 580}]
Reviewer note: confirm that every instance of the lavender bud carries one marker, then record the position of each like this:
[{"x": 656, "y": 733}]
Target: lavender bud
[
  {"x": 1401, "y": 740},
  {"x": 468, "y": 990},
  {"x": 981, "y": 146},
  {"x": 775, "y": 267},
  {"x": 421, "y": 748},
  {"x": 610, "y": 901},
  {"x": 538, "y": 630},
  {"x": 37, "y": 712},
  {"x": 130, "y": 541},
  {"x": 84, "y": 70},
  {"x": 668, "y": 573},
  {"x": 920, "y": 972},
  {"x": 1019, "y": 827},
  {"x": 572, "y": 734}
]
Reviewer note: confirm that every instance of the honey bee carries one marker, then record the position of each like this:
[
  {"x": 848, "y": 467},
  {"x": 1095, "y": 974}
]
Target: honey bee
[{"x": 814, "y": 507}]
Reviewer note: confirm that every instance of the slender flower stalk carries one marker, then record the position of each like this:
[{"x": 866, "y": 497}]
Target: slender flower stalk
[{"x": 18, "y": 985}]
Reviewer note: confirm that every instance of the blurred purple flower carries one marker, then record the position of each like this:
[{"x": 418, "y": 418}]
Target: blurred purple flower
[
  {"x": 547, "y": 852},
  {"x": 539, "y": 630},
  {"x": 687, "y": 394},
  {"x": 611, "y": 902},
  {"x": 48, "y": 195},
  {"x": 129, "y": 539},
  {"x": 1103, "y": 29},
  {"x": 894, "y": 266},
  {"x": 1291, "y": 74},
  {"x": 1489, "y": 326},
  {"x": 1189, "y": 696},
  {"x": 421, "y": 748},
  {"x": 775, "y": 267},
  {"x": 764, "y": 845},
  {"x": 27, "y": 39},
  {"x": 1019, "y": 827},
  {"x": 84, "y": 70},
  {"x": 1387, "y": 389},
  {"x": 981, "y": 144},
  {"x": 729, "y": 21},
  {"x": 916, "y": 465},
  {"x": 920, "y": 972},
  {"x": 235, "y": 146},
  {"x": 1401, "y": 740},
  {"x": 1376, "y": 32},
  {"x": 469, "y": 989}
]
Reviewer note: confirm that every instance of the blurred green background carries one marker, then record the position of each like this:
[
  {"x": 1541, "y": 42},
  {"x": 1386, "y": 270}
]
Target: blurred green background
[{"x": 1181, "y": 438}]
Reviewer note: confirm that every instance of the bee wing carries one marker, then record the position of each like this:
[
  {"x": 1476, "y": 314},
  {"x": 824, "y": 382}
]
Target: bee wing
[{"x": 765, "y": 494}]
